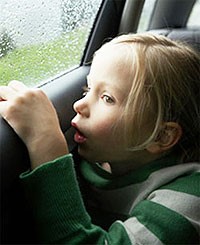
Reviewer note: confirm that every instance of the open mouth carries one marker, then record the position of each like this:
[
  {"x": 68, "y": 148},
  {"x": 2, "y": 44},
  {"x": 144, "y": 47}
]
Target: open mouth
[{"x": 78, "y": 136}]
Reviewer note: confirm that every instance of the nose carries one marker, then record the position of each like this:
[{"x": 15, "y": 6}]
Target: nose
[{"x": 81, "y": 107}]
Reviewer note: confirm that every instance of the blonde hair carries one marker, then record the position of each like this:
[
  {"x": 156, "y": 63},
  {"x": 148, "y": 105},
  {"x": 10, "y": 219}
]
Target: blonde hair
[{"x": 165, "y": 87}]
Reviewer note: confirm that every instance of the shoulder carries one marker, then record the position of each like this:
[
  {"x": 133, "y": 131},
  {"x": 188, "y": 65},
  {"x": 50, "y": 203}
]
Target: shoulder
[
  {"x": 172, "y": 211},
  {"x": 188, "y": 183},
  {"x": 181, "y": 195}
]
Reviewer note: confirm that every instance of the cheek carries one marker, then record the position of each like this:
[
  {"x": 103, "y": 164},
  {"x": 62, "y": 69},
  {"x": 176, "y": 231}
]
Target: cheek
[
  {"x": 104, "y": 142},
  {"x": 107, "y": 132},
  {"x": 103, "y": 129}
]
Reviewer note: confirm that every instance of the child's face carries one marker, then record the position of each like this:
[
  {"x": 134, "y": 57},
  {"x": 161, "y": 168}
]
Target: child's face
[{"x": 98, "y": 112}]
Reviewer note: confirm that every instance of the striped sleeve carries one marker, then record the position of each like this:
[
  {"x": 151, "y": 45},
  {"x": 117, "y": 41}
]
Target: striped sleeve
[
  {"x": 170, "y": 215},
  {"x": 60, "y": 216}
]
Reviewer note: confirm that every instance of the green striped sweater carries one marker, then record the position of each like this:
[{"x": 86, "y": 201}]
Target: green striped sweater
[{"x": 157, "y": 204}]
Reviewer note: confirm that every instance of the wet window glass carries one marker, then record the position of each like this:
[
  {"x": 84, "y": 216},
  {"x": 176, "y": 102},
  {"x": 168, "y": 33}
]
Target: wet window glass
[
  {"x": 42, "y": 39},
  {"x": 194, "y": 20},
  {"x": 146, "y": 15}
]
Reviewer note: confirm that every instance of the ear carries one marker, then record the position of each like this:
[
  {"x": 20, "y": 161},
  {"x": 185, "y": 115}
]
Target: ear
[{"x": 169, "y": 135}]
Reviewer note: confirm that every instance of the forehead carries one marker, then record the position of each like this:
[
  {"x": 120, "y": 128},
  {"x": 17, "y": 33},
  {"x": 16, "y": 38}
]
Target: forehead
[{"x": 112, "y": 65}]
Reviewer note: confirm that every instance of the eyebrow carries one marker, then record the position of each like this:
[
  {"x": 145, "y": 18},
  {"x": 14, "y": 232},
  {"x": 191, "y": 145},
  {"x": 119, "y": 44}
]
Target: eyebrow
[{"x": 103, "y": 83}]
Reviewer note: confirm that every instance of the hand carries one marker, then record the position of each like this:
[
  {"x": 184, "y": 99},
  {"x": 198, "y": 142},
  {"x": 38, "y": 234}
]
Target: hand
[{"x": 31, "y": 114}]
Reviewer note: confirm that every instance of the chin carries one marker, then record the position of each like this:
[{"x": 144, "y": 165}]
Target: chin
[
  {"x": 90, "y": 155},
  {"x": 84, "y": 154}
]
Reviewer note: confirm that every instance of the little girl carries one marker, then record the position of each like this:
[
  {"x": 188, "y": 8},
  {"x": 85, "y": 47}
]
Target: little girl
[{"x": 137, "y": 130}]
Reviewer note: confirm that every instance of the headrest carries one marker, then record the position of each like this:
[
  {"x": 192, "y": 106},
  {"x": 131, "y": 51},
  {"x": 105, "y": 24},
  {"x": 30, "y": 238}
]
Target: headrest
[{"x": 190, "y": 36}]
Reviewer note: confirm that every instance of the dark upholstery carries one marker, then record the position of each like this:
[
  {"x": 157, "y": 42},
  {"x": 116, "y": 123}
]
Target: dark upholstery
[{"x": 190, "y": 36}]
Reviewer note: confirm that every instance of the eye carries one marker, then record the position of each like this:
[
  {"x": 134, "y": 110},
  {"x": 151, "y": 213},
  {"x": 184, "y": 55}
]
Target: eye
[
  {"x": 86, "y": 89},
  {"x": 106, "y": 98}
]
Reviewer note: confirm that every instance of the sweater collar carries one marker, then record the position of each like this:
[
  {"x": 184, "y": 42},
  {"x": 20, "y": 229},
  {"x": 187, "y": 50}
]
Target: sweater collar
[{"x": 100, "y": 178}]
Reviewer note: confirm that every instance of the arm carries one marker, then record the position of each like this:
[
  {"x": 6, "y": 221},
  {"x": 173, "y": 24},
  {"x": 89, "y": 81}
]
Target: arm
[
  {"x": 58, "y": 208},
  {"x": 52, "y": 188},
  {"x": 61, "y": 217}
]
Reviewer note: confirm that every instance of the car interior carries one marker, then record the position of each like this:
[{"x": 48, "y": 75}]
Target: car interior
[{"x": 115, "y": 17}]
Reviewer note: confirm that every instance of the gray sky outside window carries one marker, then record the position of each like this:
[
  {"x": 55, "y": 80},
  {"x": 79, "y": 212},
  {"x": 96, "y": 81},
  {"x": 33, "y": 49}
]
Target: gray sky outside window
[{"x": 43, "y": 38}]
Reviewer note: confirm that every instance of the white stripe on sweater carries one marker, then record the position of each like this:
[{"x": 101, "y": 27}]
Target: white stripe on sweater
[
  {"x": 138, "y": 233},
  {"x": 185, "y": 204}
]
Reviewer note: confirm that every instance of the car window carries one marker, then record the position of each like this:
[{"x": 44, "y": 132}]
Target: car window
[
  {"x": 194, "y": 20},
  {"x": 41, "y": 39},
  {"x": 146, "y": 15}
]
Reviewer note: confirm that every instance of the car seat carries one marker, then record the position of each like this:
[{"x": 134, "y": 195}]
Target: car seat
[{"x": 189, "y": 36}]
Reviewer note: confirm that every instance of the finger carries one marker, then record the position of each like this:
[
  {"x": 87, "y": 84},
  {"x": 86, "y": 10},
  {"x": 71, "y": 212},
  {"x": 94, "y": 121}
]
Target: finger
[
  {"x": 3, "y": 106},
  {"x": 7, "y": 93},
  {"x": 17, "y": 86}
]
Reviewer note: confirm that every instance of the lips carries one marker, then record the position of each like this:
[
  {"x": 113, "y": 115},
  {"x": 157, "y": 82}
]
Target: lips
[{"x": 78, "y": 136}]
